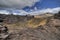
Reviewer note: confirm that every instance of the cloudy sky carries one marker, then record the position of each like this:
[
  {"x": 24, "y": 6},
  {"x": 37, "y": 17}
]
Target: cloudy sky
[
  {"x": 31, "y": 5},
  {"x": 17, "y": 3}
]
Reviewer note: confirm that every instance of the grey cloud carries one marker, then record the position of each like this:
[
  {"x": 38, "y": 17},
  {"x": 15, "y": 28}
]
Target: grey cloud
[{"x": 17, "y": 3}]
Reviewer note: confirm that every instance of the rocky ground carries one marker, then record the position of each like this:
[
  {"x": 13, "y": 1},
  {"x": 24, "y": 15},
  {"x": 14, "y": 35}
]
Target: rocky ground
[
  {"x": 49, "y": 31},
  {"x": 46, "y": 32}
]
